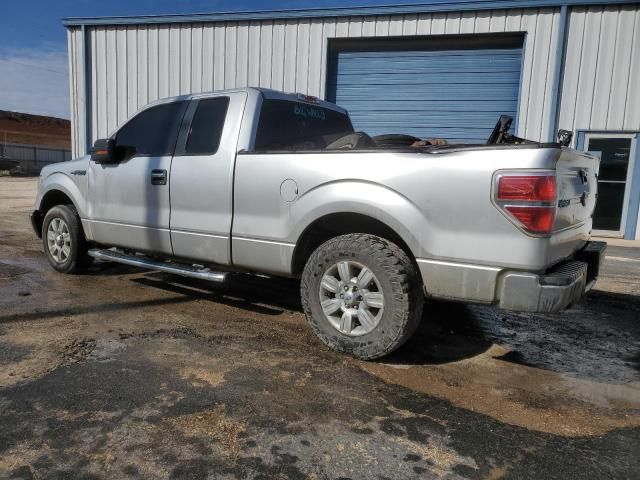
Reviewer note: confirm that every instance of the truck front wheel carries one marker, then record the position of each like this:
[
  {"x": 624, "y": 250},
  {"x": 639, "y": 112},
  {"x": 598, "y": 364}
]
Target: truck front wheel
[
  {"x": 362, "y": 295},
  {"x": 63, "y": 240}
]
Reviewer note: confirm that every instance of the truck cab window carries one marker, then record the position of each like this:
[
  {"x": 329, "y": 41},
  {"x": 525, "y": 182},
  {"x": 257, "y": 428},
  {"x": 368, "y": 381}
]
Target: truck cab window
[
  {"x": 152, "y": 132},
  {"x": 296, "y": 126},
  {"x": 207, "y": 125}
]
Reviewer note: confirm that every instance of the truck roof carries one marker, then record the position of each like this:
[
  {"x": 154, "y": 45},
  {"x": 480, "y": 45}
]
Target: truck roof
[{"x": 264, "y": 92}]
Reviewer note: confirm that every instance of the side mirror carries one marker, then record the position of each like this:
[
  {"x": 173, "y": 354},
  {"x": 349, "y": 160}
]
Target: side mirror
[{"x": 103, "y": 151}]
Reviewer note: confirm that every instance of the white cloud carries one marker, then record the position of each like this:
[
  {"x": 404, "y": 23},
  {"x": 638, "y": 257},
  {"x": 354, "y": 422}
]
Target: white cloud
[{"x": 35, "y": 81}]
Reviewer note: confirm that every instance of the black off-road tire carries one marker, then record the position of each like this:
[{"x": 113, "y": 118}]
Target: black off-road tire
[
  {"x": 400, "y": 284},
  {"x": 78, "y": 260}
]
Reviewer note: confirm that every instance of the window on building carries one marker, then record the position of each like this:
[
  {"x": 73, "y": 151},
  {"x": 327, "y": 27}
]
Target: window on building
[
  {"x": 614, "y": 179},
  {"x": 153, "y": 132},
  {"x": 290, "y": 125},
  {"x": 207, "y": 125}
]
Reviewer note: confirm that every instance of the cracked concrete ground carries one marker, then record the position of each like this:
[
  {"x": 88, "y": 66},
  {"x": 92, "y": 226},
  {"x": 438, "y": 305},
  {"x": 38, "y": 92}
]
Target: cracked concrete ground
[{"x": 124, "y": 373}]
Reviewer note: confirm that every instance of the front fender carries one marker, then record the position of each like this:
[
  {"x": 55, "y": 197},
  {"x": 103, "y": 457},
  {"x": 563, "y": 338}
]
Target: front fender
[
  {"x": 366, "y": 198},
  {"x": 62, "y": 182}
]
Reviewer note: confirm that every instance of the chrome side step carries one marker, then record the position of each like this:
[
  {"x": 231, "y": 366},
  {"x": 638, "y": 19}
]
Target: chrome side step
[{"x": 143, "y": 262}]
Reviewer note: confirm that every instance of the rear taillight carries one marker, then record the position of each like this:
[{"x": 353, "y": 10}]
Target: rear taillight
[
  {"x": 528, "y": 200},
  {"x": 530, "y": 188},
  {"x": 533, "y": 219}
]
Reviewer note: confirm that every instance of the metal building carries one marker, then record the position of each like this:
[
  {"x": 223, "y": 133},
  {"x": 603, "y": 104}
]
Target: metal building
[{"x": 445, "y": 68}]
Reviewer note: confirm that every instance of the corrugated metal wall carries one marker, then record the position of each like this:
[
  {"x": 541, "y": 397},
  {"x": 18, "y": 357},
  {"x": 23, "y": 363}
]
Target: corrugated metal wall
[
  {"x": 601, "y": 86},
  {"x": 133, "y": 65},
  {"x": 31, "y": 158},
  {"x": 33, "y": 153},
  {"x": 77, "y": 107}
]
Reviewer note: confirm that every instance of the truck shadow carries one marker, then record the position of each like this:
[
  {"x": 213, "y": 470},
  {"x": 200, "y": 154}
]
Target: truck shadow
[
  {"x": 225, "y": 295},
  {"x": 599, "y": 339},
  {"x": 448, "y": 332}
]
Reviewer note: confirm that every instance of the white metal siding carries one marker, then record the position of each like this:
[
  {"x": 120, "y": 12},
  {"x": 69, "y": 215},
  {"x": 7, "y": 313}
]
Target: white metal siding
[
  {"x": 74, "y": 45},
  {"x": 601, "y": 86},
  {"x": 133, "y": 65}
]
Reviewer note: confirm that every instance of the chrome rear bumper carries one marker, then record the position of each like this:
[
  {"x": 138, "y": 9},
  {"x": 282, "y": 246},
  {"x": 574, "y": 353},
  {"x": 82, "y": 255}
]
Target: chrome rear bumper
[
  {"x": 523, "y": 291},
  {"x": 555, "y": 290}
]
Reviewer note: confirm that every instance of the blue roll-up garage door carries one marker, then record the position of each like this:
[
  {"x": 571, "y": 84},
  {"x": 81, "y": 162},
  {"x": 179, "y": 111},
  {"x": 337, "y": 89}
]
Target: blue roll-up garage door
[{"x": 453, "y": 88}]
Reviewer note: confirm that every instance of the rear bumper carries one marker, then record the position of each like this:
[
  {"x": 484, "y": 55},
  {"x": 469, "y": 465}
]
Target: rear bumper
[
  {"x": 555, "y": 290},
  {"x": 552, "y": 291}
]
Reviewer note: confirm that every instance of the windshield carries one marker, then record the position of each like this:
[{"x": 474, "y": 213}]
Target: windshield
[{"x": 290, "y": 125}]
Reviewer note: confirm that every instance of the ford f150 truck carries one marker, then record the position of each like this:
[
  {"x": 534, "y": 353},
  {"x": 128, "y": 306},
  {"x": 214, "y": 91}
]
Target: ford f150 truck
[{"x": 254, "y": 180}]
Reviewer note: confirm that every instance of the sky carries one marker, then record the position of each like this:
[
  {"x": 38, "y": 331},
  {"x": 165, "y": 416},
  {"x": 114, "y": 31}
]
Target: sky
[{"x": 33, "y": 51}]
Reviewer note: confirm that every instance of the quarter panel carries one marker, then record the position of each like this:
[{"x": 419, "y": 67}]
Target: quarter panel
[
  {"x": 261, "y": 212},
  {"x": 438, "y": 203},
  {"x": 263, "y": 255}
]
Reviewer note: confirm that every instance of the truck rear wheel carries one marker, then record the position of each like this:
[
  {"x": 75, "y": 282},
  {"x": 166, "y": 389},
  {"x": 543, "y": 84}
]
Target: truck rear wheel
[
  {"x": 362, "y": 295},
  {"x": 63, "y": 240}
]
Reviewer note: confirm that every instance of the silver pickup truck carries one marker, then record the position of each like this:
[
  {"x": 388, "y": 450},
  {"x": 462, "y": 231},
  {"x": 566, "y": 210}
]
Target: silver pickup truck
[{"x": 254, "y": 180}]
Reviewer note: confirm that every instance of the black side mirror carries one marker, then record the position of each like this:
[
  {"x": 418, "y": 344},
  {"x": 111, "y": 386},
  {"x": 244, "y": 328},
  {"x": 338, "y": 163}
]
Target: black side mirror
[{"x": 103, "y": 151}]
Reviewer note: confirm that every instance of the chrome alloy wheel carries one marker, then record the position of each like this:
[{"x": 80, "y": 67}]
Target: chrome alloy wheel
[
  {"x": 351, "y": 298},
  {"x": 59, "y": 240}
]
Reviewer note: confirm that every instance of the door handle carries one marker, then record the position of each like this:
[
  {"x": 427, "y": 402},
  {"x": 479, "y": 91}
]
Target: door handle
[{"x": 158, "y": 177}]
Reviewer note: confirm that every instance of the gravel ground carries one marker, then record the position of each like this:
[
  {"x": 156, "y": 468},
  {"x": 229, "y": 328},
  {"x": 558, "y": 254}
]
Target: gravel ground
[{"x": 123, "y": 373}]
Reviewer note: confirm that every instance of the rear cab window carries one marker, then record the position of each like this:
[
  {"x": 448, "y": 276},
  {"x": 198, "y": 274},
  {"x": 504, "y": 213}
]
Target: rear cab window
[
  {"x": 207, "y": 126},
  {"x": 298, "y": 126}
]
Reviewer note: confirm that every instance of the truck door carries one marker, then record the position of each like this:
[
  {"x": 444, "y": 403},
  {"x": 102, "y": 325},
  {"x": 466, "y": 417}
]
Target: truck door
[
  {"x": 129, "y": 198},
  {"x": 201, "y": 178}
]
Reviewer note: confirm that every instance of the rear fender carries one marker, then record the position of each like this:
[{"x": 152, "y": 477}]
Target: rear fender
[{"x": 366, "y": 198}]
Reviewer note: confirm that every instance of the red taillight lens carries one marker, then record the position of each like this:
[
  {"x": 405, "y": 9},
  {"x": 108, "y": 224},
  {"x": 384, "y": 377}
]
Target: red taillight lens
[
  {"x": 528, "y": 188},
  {"x": 534, "y": 219},
  {"x": 529, "y": 200}
]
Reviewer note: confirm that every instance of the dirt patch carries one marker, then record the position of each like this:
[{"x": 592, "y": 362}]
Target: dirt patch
[
  {"x": 213, "y": 423},
  {"x": 12, "y": 353},
  {"x": 200, "y": 375},
  {"x": 77, "y": 351},
  {"x": 11, "y": 271},
  {"x": 440, "y": 455}
]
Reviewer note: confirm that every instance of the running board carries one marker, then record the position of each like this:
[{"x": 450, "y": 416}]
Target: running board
[{"x": 143, "y": 262}]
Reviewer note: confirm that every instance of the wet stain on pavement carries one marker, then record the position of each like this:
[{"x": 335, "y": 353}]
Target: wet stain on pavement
[
  {"x": 94, "y": 418},
  {"x": 8, "y": 271},
  {"x": 11, "y": 352}
]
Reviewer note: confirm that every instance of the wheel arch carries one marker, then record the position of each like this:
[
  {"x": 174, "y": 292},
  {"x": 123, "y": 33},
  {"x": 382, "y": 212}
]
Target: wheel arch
[
  {"x": 340, "y": 223},
  {"x": 49, "y": 200},
  {"x": 55, "y": 197},
  {"x": 58, "y": 189}
]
